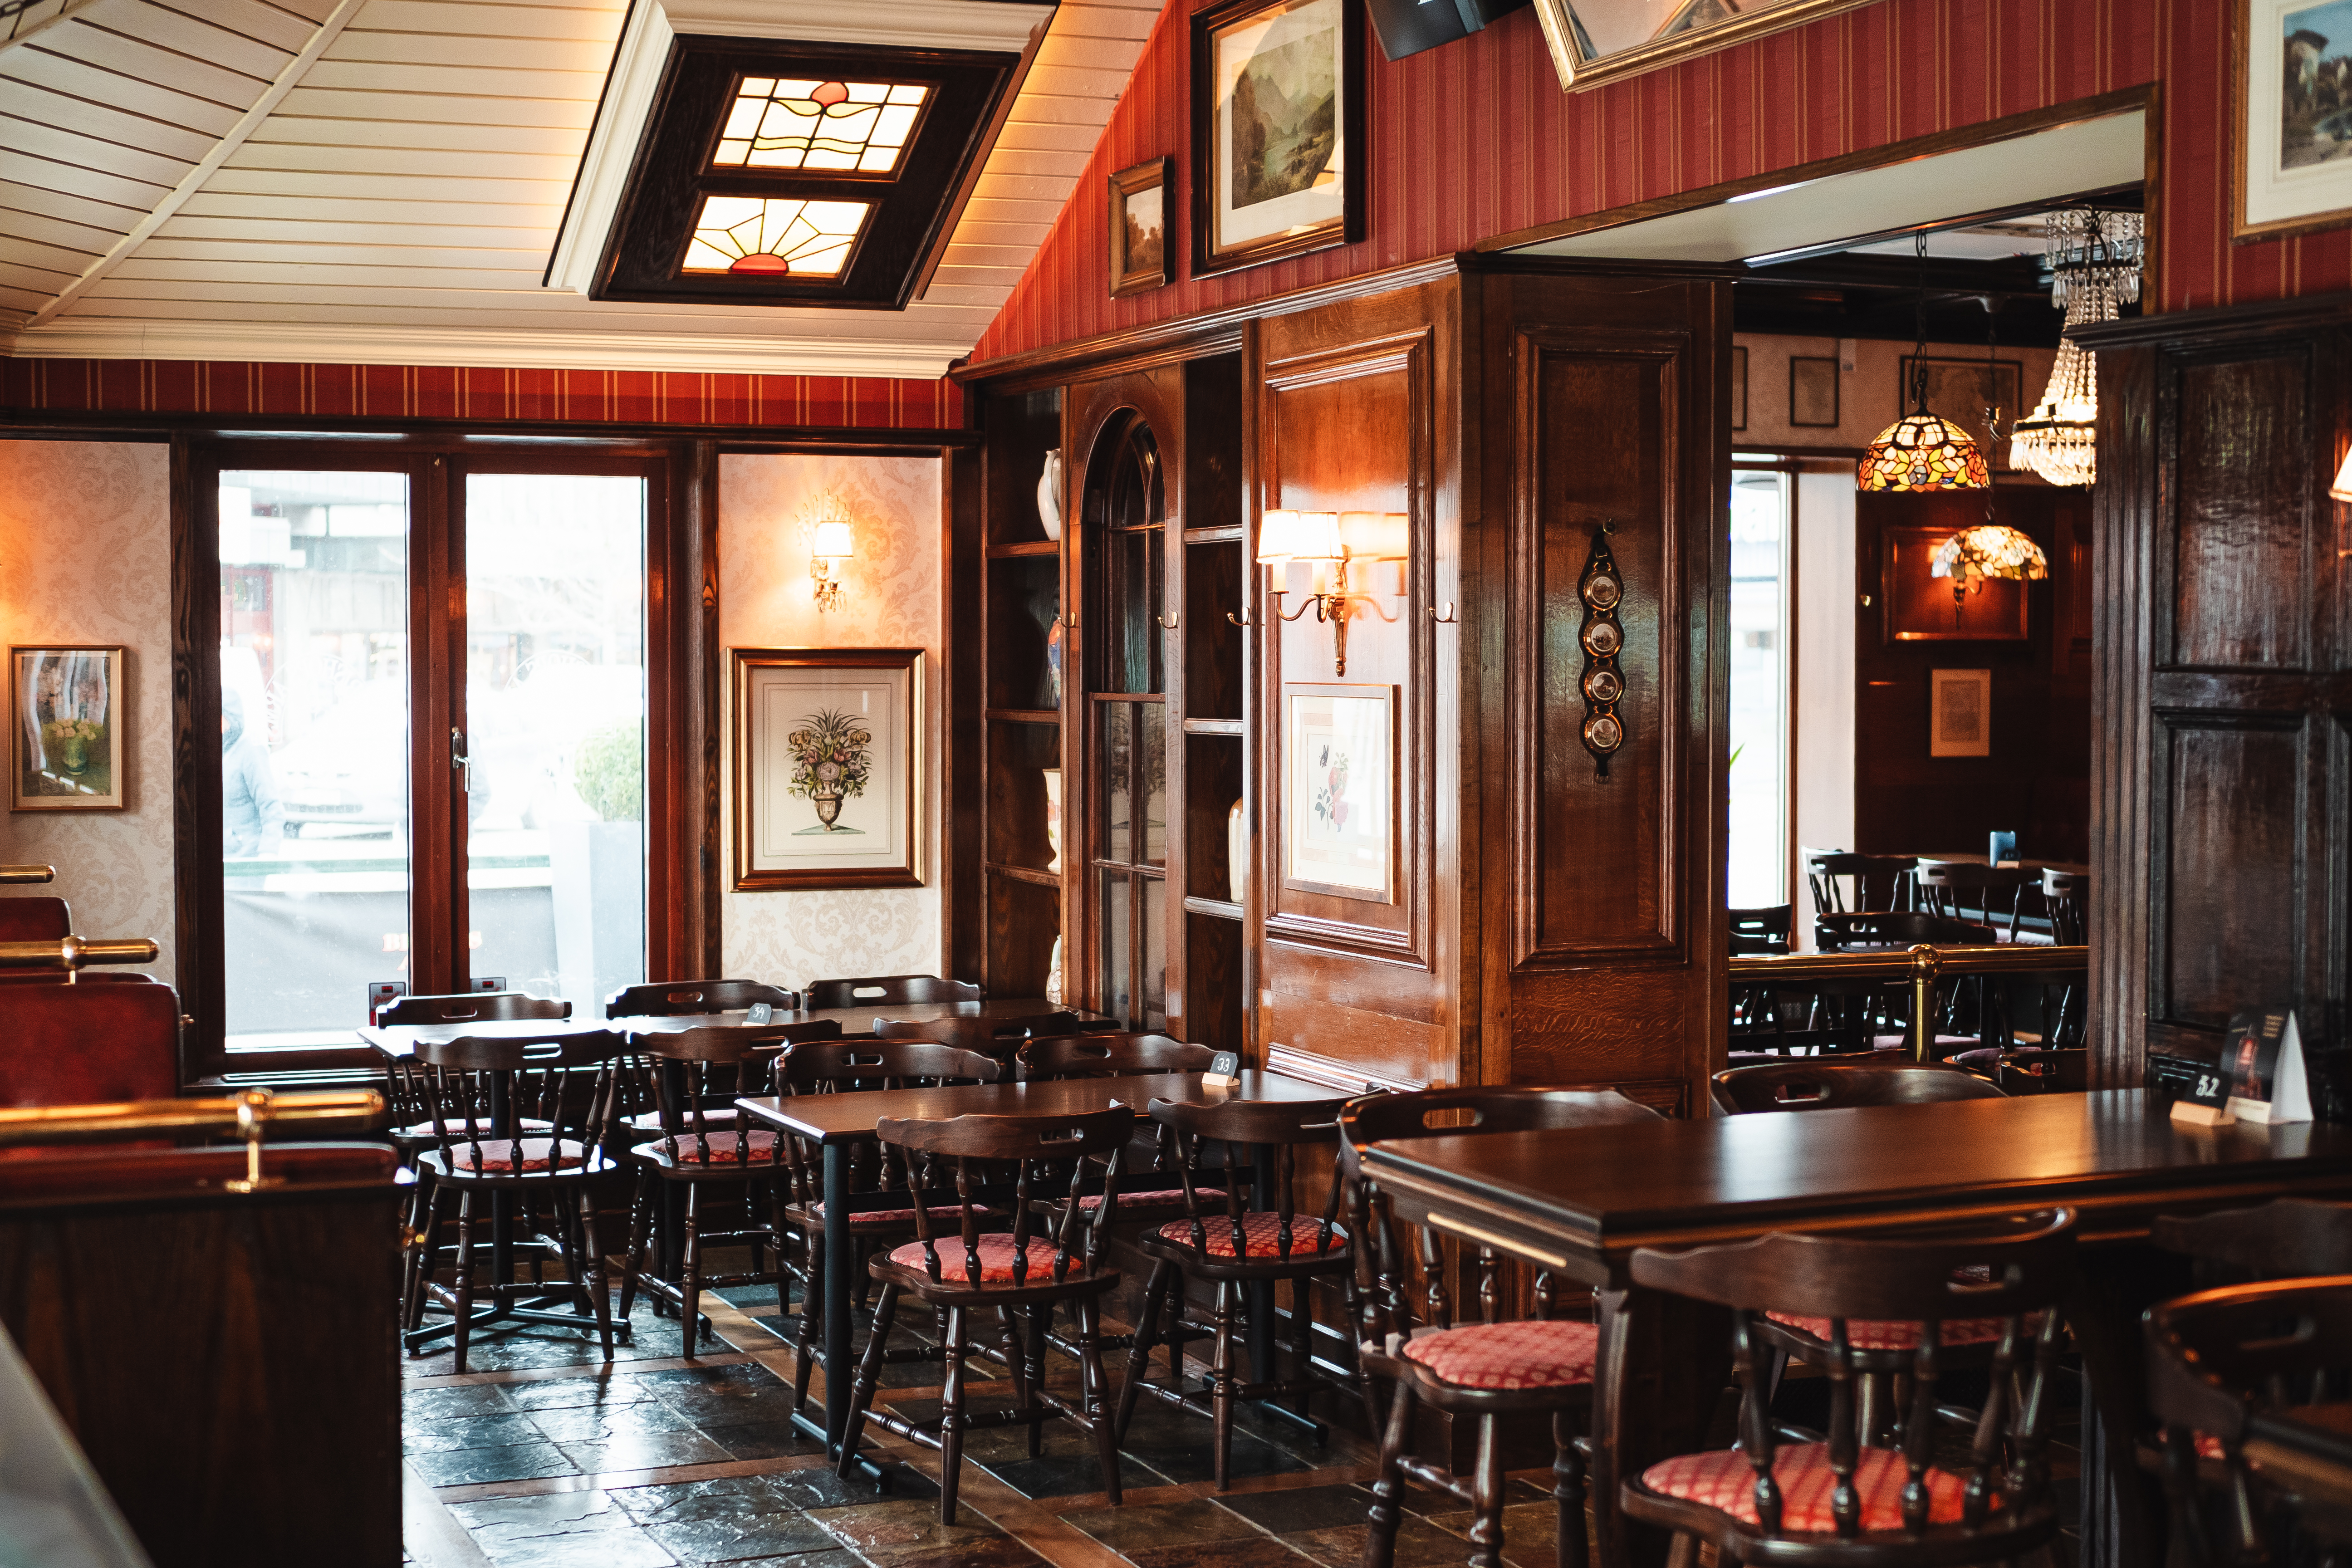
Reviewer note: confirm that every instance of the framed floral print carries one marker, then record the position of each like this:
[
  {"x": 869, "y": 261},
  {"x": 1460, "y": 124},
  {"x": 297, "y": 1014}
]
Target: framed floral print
[
  {"x": 2291, "y": 167},
  {"x": 1338, "y": 756},
  {"x": 828, "y": 768},
  {"x": 67, "y": 754},
  {"x": 1277, "y": 130},
  {"x": 1138, "y": 228},
  {"x": 1960, "y": 703}
]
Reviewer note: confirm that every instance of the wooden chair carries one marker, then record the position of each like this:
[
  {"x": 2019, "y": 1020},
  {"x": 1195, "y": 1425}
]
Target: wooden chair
[
  {"x": 1761, "y": 931},
  {"x": 2068, "y": 896},
  {"x": 888, "y": 990},
  {"x": 1482, "y": 1370},
  {"x": 1897, "y": 928},
  {"x": 470, "y": 1007},
  {"x": 1042, "y": 1059},
  {"x": 479, "y": 1091},
  {"x": 1841, "y": 1501},
  {"x": 2281, "y": 1239},
  {"x": 2260, "y": 1366},
  {"x": 1831, "y": 1085},
  {"x": 822, "y": 1067},
  {"x": 999, "y": 1037},
  {"x": 1876, "y": 881},
  {"x": 1962, "y": 890},
  {"x": 677, "y": 998},
  {"x": 971, "y": 1273},
  {"x": 701, "y": 1145},
  {"x": 1238, "y": 1248},
  {"x": 752, "y": 1075}
]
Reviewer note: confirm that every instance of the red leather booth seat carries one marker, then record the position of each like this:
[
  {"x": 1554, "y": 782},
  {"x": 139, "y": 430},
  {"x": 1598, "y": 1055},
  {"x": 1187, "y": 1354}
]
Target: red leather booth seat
[
  {"x": 82, "y": 1045},
  {"x": 93, "y": 1173},
  {"x": 34, "y": 919}
]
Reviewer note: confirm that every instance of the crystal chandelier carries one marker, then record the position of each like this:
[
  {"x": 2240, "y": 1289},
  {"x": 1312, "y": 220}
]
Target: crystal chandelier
[{"x": 2095, "y": 260}]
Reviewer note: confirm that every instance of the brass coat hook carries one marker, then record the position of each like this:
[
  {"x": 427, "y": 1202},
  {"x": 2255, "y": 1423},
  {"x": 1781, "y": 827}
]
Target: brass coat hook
[{"x": 1445, "y": 617}]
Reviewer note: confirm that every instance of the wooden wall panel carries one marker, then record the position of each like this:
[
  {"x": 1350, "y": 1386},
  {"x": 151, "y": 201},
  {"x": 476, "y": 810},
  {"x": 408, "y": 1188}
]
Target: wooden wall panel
[
  {"x": 2228, "y": 826},
  {"x": 2241, "y": 571}
]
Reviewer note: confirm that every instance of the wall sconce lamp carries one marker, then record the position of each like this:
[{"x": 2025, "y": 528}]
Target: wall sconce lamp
[
  {"x": 1317, "y": 537},
  {"x": 2342, "y": 488},
  {"x": 833, "y": 543}
]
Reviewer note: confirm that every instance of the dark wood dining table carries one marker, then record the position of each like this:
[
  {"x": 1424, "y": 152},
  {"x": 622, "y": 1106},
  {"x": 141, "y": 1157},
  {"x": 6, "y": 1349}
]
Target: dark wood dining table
[
  {"x": 838, "y": 1123},
  {"x": 1581, "y": 1202}
]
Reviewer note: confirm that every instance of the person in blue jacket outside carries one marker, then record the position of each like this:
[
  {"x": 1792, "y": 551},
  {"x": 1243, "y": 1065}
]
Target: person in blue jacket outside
[{"x": 252, "y": 821}]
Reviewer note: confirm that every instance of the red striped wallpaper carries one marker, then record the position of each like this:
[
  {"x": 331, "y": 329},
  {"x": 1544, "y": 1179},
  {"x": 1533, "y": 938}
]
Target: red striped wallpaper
[
  {"x": 1476, "y": 139},
  {"x": 29, "y": 386}
]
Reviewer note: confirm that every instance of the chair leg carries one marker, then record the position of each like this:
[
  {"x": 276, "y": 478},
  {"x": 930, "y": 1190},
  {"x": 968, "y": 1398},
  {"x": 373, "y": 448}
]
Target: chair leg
[
  {"x": 1388, "y": 1481},
  {"x": 952, "y": 1417},
  {"x": 869, "y": 1375},
  {"x": 1220, "y": 1386},
  {"x": 1487, "y": 1489},
  {"x": 633, "y": 1261},
  {"x": 812, "y": 1299},
  {"x": 427, "y": 1248},
  {"x": 1138, "y": 1357},
  {"x": 1567, "y": 1492},
  {"x": 689, "y": 1285},
  {"x": 465, "y": 1275},
  {"x": 599, "y": 1294},
  {"x": 776, "y": 1209},
  {"x": 1094, "y": 1394},
  {"x": 1016, "y": 1366}
]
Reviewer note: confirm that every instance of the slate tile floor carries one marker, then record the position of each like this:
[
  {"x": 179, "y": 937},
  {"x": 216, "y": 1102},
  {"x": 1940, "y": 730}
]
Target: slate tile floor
[{"x": 542, "y": 1456}]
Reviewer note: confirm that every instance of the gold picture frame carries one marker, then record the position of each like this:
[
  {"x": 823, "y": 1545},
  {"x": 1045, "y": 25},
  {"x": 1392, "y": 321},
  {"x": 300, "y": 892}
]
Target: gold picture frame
[
  {"x": 1141, "y": 215},
  {"x": 67, "y": 720},
  {"x": 828, "y": 768},
  {"x": 2291, "y": 138},
  {"x": 1679, "y": 31},
  {"x": 1959, "y": 713}
]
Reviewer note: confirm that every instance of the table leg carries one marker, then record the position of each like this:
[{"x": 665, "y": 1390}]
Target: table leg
[
  {"x": 1660, "y": 1367},
  {"x": 2123, "y": 1508},
  {"x": 840, "y": 1266}
]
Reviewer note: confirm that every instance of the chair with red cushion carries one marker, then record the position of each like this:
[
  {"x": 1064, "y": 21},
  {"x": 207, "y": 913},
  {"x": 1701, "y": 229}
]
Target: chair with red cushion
[
  {"x": 829, "y": 1066},
  {"x": 487, "y": 1100},
  {"x": 1044, "y": 1260},
  {"x": 1232, "y": 1248},
  {"x": 1841, "y": 1501},
  {"x": 35, "y": 920},
  {"x": 1483, "y": 1369}
]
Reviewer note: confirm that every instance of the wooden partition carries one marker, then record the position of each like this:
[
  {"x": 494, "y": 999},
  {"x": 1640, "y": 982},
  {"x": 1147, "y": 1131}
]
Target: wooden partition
[{"x": 227, "y": 1361}]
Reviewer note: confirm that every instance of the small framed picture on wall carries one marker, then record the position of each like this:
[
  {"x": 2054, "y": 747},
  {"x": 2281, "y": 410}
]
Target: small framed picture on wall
[
  {"x": 1338, "y": 820},
  {"x": 828, "y": 768},
  {"x": 66, "y": 704},
  {"x": 2289, "y": 173},
  {"x": 1138, "y": 228},
  {"x": 1277, "y": 130},
  {"x": 1812, "y": 390},
  {"x": 1959, "y": 713}
]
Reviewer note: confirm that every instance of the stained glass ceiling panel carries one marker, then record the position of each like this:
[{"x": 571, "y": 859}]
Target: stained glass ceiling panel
[
  {"x": 847, "y": 127},
  {"x": 774, "y": 237}
]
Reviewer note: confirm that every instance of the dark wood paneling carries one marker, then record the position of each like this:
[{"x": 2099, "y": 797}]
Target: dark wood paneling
[
  {"x": 2242, "y": 570},
  {"x": 963, "y": 926},
  {"x": 2226, "y": 790},
  {"x": 2124, "y": 506}
]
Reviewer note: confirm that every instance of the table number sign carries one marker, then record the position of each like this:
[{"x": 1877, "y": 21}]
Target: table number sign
[
  {"x": 1224, "y": 1070},
  {"x": 758, "y": 1013},
  {"x": 2262, "y": 1056},
  {"x": 2207, "y": 1102}
]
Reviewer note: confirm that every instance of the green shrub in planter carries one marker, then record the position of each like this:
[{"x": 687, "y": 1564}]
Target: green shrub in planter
[{"x": 609, "y": 771}]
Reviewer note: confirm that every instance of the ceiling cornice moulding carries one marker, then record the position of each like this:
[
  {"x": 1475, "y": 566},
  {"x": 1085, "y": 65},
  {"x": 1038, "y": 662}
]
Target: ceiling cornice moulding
[{"x": 735, "y": 353}]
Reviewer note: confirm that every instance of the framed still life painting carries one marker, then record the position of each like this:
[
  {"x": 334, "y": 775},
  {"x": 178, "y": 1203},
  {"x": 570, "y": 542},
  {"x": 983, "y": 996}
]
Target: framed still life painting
[
  {"x": 828, "y": 768},
  {"x": 1277, "y": 130},
  {"x": 2291, "y": 170},
  {"x": 67, "y": 752},
  {"x": 1340, "y": 791},
  {"x": 1138, "y": 228}
]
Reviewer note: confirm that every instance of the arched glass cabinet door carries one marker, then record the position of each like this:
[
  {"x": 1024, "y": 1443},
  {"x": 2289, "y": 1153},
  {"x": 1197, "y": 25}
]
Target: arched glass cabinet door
[{"x": 1127, "y": 729}]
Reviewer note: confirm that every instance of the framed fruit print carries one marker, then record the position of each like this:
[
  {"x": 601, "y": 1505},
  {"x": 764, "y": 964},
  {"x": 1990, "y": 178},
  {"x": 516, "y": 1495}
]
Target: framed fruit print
[
  {"x": 828, "y": 768},
  {"x": 1277, "y": 130}
]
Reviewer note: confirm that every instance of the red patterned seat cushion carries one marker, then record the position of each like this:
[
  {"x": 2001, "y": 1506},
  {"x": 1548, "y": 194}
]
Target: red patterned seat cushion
[
  {"x": 499, "y": 1157},
  {"x": 1872, "y": 1334},
  {"x": 1260, "y": 1235},
  {"x": 457, "y": 1128},
  {"x": 996, "y": 1256},
  {"x": 1725, "y": 1481},
  {"x": 1154, "y": 1199},
  {"x": 1508, "y": 1355},
  {"x": 651, "y": 1121},
  {"x": 949, "y": 1213},
  {"x": 724, "y": 1149}
]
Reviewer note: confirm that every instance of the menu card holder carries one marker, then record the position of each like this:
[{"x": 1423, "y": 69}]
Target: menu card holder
[{"x": 2261, "y": 1058}]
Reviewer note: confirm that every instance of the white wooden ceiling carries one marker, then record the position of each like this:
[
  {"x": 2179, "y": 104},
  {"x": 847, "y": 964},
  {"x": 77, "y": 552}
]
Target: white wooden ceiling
[{"x": 379, "y": 181}]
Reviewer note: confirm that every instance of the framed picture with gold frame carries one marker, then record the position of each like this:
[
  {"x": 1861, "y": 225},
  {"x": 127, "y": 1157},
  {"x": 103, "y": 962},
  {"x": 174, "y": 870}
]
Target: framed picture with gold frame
[
  {"x": 66, "y": 711},
  {"x": 1277, "y": 130},
  {"x": 1339, "y": 815},
  {"x": 2290, "y": 157},
  {"x": 1919, "y": 606},
  {"x": 1594, "y": 41},
  {"x": 1139, "y": 211},
  {"x": 828, "y": 768},
  {"x": 1960, "y": 708}
]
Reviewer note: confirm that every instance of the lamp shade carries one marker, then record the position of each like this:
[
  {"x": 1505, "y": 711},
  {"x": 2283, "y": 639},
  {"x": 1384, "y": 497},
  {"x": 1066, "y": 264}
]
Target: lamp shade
[
  {"x": 1277, "y": 536},
  {"x": 1989, "y": 550},
  {"x": 2342, "y": 488},
  {"x": 1922, "y": 452},
  {"x": 1318, "y": 538},
  {"x": 834, "y": 540}
]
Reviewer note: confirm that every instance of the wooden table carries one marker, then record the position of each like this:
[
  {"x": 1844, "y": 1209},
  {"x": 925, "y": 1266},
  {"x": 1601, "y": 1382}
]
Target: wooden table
[
  {"x": 1581, "y": 1202},
  {"x": 838, "y": 1122}
]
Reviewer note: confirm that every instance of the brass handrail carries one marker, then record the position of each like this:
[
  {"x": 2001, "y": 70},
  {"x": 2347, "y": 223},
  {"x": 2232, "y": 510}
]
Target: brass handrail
[
  {"x": 1922, "y": 965},
  {"x": 13, "y": 876},
  {"x": 249, "y": 1113},
  {"x": 71, "y": 952}
]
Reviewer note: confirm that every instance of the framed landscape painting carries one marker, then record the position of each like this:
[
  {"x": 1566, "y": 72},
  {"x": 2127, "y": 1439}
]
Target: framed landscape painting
[
  {"x": 1138, "y": 228},
  {"x": 2291, "y": 171},
  {"x": 828, "y": 768},
  {"x": 1277, "y": 130},
  {"x": 67, "y": 751}
]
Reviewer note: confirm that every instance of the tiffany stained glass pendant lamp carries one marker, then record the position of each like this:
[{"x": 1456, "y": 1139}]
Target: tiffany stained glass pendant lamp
[
  {"x": 1989, "y": 550},
  {"x": 1922, "y": 452}
]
